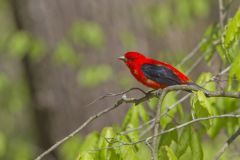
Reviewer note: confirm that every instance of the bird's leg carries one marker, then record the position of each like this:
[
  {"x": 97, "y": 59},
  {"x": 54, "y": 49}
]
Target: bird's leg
[{"x": 158, "y": 92}]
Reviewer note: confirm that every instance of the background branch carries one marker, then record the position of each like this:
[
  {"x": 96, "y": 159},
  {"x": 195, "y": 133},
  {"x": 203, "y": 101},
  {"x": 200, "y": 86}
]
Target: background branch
[
  {"x": 228, "y": 142},
  {"x": 221, "y": 13}
]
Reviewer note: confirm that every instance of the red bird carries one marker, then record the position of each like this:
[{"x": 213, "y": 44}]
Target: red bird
[{"x": 153, "y": 73}]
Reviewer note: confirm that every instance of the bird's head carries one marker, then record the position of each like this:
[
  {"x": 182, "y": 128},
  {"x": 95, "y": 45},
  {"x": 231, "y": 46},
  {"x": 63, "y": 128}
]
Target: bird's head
[{"x": 131, "y": 58}]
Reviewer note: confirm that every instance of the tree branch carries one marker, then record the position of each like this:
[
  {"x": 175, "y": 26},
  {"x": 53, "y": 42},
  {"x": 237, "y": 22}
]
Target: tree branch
[
  {"x": 124, "y": 99},
  {"x": 114, "y": 95},
  {"x": 146, "y": 97},
  {"x": 193, "y": 52},
  {"x": 227, "y": 143},
  {"x": 173, "y": 129},
  {"x": 157, "y": 124},
  {"x": 221, "y": 13}
]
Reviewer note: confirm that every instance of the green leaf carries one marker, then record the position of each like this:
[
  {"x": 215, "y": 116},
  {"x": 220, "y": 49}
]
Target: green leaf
[
  {"x": 180, "y": 112},
  {"x": 128, "y": 151},
  {"x": 143, "y": 113},
  {"x": 153, "y": 102},
  {"x": 232, "y": 31},
  {"x": 216, "y": 126},
  {"x": 106, "y": 138},
  {"x": 204, "y": 78},
  {"x": 196, "y": 147},
  {"x": 90, "y": 143},
  {"x": 70, "y": 149},
  {"x": 162, "y": 154},
  {"x": 232, "y": 124},
  {"x": 202, "y": 107},
  {"x": 143, "y": 152},
  {"x": 231, "y": 36},
  {"x": 86, "y": 156},
  {"x": 166, "y": 139},
  {"x": 169, "y": 100},
  {"x": 131, "y": 121},
  {"x": 171, "y": 155},
  {"x": 205, "y": 102},
  {"x": 234, "y": 72},
  {"x": 183, "y": 142},
  {"x": 166, "y": 153}
]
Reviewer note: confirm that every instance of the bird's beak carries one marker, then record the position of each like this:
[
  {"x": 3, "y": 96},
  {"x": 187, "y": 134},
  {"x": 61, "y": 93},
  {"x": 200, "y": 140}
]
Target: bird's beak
[{"x": 122, "y": 58}]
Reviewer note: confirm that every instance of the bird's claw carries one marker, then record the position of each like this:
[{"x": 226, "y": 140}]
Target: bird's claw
[{"x": 158, "y": 92}]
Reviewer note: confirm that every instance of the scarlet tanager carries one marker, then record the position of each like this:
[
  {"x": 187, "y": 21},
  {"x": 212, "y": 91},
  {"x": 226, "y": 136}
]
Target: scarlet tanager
[{"x": 153, "y": 73}]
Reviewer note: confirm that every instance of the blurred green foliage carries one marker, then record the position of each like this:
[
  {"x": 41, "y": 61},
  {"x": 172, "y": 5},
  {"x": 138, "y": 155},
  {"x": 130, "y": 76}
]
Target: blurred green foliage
[
  {"x": 85, "y": 33},
  {"x": 178, "y": 14},
  {"x": 2, "y": 144},
  {"x": 13, "y": 100},
  {"x": 128, "y": 40},
  {"x": 70, "y": 150},
  {"x": 19, "y": 44},
  {"x": 94, "y": 75},
  {"x": 210, "y": 37},
  {"x": 17, "y": 141},
  {"x": 65, "y": 54}
]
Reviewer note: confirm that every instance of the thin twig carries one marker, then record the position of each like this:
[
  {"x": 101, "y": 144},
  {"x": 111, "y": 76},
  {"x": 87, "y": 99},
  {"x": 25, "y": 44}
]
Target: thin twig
[
  {"x": 192, "y": 53},
  {"x": 157, "y": 124},
  {"x": 124, "y": 99},
  {"x": 172, "y": 129},
  {"x": 195, "y": 64},
  {"x": 148, "y": 129},
  {"x": 137, "y": 128},
  {"x": 175, "y": 104},
  {"x": 196, "y": 120},
  {"x": 150, "y": 147},
  {"x": 114, "y": 95},
  {"x": 221, "y": 13},
  {"x": 227, "y": 143},
  {"x": 86, "y": 123}
]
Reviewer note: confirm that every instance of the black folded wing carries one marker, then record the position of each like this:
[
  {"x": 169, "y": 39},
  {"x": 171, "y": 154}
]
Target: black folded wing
[{"x": 160, "y": 74}]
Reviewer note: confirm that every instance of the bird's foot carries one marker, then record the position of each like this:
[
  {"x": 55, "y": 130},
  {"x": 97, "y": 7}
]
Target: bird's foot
[{"x": 158, "y": 92}]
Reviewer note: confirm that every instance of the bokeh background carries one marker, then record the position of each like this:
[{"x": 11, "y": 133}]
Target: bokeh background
[{"x": 56, "y": 56}]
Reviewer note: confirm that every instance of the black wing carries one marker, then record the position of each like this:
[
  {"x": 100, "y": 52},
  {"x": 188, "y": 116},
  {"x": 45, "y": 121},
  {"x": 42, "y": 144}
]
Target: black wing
[{"x": 160, "y": 74}]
